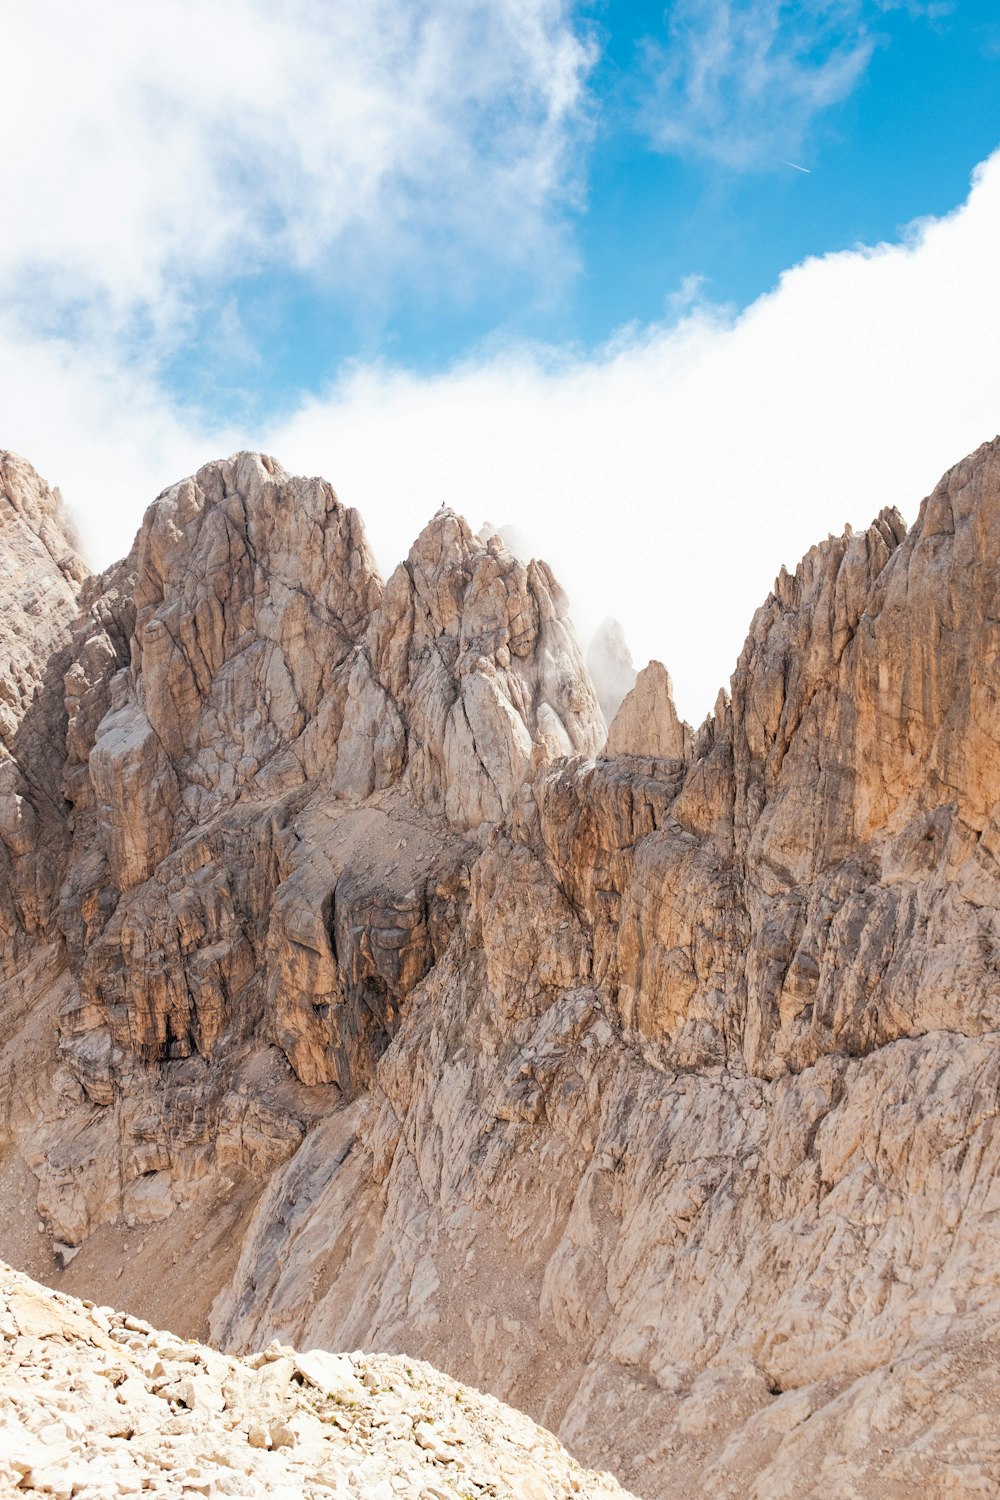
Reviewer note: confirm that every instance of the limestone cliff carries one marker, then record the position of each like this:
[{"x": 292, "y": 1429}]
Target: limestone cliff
[
  {"x": 360, "y": 988},
  {"x": 40, "y": 578}
]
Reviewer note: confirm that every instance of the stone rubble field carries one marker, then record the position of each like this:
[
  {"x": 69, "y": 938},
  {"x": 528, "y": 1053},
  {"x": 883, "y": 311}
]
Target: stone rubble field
[{"x": 97, "y": 1404}]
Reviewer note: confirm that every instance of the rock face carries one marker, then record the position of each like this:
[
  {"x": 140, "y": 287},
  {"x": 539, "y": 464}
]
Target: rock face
[
  {"x": 646, "y": 722},
  {"x": 99, "y": 1404},
  {"x": 40, "y": 579},
  {"x": 652, "y": 1086}
]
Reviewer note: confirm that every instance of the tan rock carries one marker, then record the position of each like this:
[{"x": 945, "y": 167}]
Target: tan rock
[
  {"x": 103, "y": 1443},
  {"x": 40, "y": 578},
  {"x": 654, "y": 1091},
  {"x": 646, "y": 723}
]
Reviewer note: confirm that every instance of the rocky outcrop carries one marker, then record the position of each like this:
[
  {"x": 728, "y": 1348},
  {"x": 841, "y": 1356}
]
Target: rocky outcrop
[
  {"x": 651, "y": 1085},
  {"x": 273, "y": 766},
  {"x": 99, "y": 1403},
  {"x": 646, "y": 722},
  {"x": 42, "y": 574}
]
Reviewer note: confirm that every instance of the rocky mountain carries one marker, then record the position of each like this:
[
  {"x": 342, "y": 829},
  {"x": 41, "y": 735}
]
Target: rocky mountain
[
  {"x": 99, "y": 1404},
  {"x": 357, "y": 994}
]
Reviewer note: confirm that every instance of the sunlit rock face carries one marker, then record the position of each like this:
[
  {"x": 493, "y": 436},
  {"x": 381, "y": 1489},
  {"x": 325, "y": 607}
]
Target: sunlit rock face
[
  {"x": 646, "y": 722},
  {"x": 645, "y": 1078}
]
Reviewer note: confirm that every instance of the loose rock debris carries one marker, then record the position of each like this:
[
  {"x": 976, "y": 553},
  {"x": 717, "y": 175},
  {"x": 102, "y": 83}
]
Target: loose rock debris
[{"x": 97, "y": 1404}]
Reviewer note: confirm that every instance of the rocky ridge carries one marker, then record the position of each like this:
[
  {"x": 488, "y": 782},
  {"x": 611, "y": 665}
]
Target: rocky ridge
[
  {"x": 98, "y": 1403},
  {"x": 373, "y": 1002}
]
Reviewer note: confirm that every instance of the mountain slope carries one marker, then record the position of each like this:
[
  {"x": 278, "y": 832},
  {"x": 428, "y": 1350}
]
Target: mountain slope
[{"x": 655, "y": 1095}]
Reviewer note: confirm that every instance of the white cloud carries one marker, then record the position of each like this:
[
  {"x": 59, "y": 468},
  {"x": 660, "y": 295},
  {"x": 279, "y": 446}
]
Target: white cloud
[
  {"x": 669, "y": 479},
  {"x": 100, "y": 428},
  {"x": 666, "y": 478},
  {"x": 741, "y": 81},
  {"x": 147, "y": 146}
]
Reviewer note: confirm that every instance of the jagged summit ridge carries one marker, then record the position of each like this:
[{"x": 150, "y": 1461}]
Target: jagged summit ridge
[
  {"x": 268, "y": 666},
  {"x": 268, "y": 651},
  {"x": 450, "y": 1031}
]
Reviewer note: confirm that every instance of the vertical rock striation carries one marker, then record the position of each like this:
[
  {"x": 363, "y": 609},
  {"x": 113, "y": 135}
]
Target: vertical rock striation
[
  {"x": 651, "y": 1084},
  {"x": 40, "y": 579},
  {"x": 646, "y": 721}
]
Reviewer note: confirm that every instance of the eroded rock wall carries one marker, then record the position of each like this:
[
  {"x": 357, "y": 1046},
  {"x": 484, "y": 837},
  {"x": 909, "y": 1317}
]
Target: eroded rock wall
[
  {"x": 652, "y": 1087},
  {"x": 270, "y": 773},
  {"x": 40, "y": 579}
]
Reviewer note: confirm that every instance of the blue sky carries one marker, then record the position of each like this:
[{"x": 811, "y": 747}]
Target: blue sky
[
  {"x": 644, "y": 220},
  {"x": 555, "y": 264},
  {"x": 897, "y": 144}
]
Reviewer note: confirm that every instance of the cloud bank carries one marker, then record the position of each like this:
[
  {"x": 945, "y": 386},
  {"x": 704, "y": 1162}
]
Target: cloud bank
[{"x": 666, "y": 478}]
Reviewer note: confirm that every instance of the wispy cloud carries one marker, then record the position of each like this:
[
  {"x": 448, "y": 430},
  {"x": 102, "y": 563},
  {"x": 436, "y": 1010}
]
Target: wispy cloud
[
  {"x": 741, "y": 81},
  {"x": 146, "y": 148},
  {"x": 989, "y": 40},
  {"x": 928, "y": 10}
]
